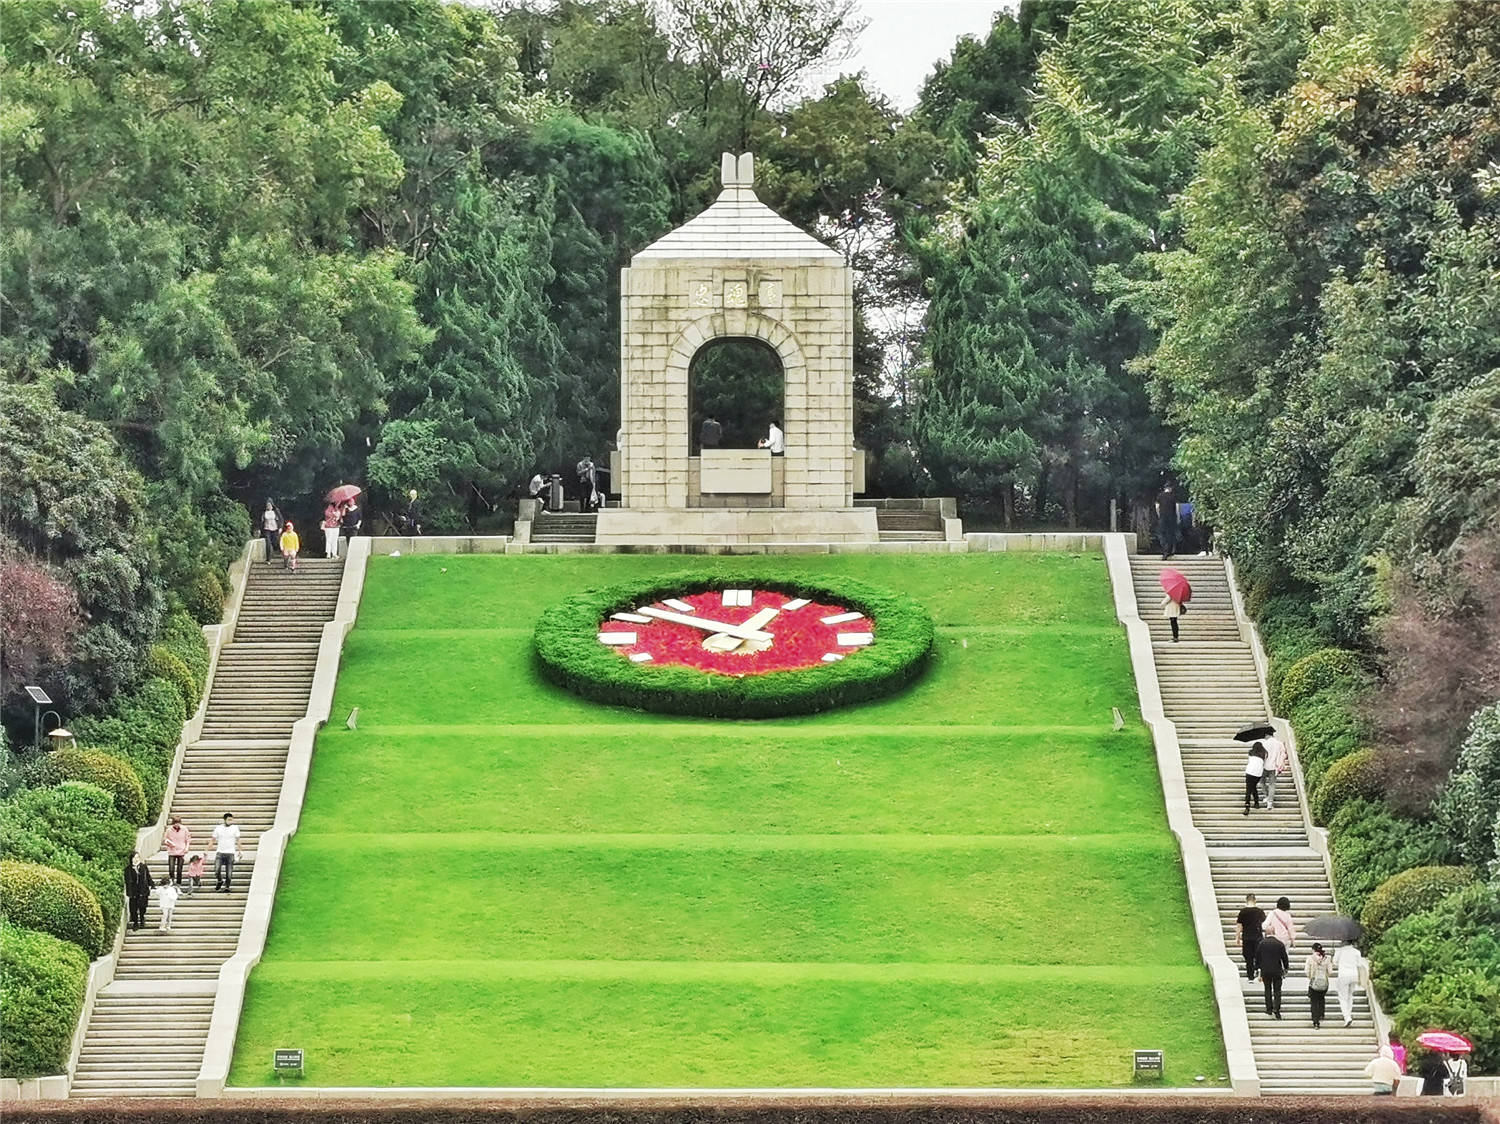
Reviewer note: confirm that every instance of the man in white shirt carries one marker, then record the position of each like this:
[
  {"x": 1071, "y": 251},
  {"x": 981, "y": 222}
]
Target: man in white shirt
[
  {"x": 1278, "y": 762},
  {"x": 226, "y": 851},
  {"x": 775, "y": 440}
]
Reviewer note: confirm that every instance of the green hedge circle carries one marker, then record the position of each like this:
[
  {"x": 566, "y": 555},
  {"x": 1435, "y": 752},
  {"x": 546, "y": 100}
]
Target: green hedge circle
[{"x": 569, "y": 653}]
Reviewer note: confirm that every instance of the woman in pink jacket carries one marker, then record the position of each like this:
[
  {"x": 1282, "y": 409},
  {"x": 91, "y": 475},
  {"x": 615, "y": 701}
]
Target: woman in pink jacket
[
  {"x": 1280, "y": 925},
  {"x": 177, "y": 840}
]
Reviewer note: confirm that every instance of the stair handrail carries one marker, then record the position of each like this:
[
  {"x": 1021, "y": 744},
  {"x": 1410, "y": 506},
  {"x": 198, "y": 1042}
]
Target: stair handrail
[
  {"x": 1234, "y": 1020},
  {"x": 1317, "y": 836},
  {"x": 270, "y": 848}
]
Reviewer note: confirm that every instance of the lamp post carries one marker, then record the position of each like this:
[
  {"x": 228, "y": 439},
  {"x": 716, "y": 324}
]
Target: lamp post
[
  {"x": 39, "y": 699},
  {"x": 62, "y": 738}
]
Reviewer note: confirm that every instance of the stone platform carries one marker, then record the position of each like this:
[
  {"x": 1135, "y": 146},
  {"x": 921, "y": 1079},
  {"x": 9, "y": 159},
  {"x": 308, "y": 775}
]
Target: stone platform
[{"x": 635, "y": 526}]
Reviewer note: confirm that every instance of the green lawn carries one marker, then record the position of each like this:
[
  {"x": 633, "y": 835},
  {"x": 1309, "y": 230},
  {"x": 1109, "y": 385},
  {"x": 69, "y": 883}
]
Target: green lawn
[{"x": 496, "y": 883}]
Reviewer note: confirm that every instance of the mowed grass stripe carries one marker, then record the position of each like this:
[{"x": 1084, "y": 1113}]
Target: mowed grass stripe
[
  {"x": 743, "y": 777},
  {"x": 742, "y": 734},
  {"x": 416, "y": 842},
  {"x": 401, "y": 678},
  {"x": 460, "y": 591},
  {"x": 500, "y": 1030},
  {"x": 978, "y": 904},
  {"x": 959, "y": 630},
  {"x": 758, "y": 973}
]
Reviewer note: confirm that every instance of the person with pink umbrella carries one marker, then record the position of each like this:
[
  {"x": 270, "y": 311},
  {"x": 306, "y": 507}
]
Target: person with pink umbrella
[
  {"x": 1446, "y": 1072},
  {"x": 1176, "y": 593}
]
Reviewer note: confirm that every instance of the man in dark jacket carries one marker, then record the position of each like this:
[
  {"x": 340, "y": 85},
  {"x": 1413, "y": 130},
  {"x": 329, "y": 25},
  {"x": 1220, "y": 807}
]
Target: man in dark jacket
[
  {"x": 710, "y": 434},
  {"x": 1251, "y": 922},
  {"x": 1272, "y": 960},
  {"x": 138, "y": 887}
]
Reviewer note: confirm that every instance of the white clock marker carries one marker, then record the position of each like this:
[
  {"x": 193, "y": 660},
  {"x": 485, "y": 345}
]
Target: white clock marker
[
  {"x": 640, "y": 657},
  {"x": 617, "y": 638},
  {"x": 842, "y": 618},
  {"x": 797, "y": 603},
  {"x": 680, "y": 606},
  {"x": 633, "y": 618},
  {"x": 855, "y": 639}
]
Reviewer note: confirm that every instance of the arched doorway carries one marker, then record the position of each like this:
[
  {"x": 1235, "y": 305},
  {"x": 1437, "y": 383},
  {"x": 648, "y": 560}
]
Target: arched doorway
[{"x": 738, "y": 383}]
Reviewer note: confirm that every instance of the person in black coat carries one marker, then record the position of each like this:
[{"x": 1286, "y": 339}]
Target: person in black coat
[
  {"x": 1273, "y": 962},
  {"x": 353, "y": 519},
  {"x": 138, "y": 887},
  {"x": 1434, "y": 1075}
]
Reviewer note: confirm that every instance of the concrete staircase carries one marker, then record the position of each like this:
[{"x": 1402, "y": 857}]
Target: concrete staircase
[
  {"x": 1210, "y": 688},
  {"x": 147, "y": 1032},
  {"x": 909, "y": 525},
  {"x": 564, "y": 527}
]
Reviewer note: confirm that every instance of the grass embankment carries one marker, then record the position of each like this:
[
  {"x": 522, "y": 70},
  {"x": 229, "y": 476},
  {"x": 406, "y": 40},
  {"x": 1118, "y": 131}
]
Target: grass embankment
[{"x": 496, "y": 883}]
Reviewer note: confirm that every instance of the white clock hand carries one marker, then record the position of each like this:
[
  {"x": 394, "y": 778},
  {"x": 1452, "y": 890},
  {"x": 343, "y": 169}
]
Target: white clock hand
[{"x": 741, "y": 631}]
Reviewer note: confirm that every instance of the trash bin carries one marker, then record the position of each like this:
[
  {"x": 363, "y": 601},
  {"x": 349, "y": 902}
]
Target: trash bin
[{"x": 555, "y": 492}]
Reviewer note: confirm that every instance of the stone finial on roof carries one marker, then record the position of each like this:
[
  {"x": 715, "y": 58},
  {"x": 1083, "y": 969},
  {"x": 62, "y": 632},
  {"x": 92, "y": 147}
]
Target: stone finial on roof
[{"x": 737, "y": 171}]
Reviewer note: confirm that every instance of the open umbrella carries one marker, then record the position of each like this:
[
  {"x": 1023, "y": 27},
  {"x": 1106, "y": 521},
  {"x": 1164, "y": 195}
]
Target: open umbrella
[
  {"x": 1254, "y": 732},
  {"x": 1176, "y": 585},
  {"x": 344, "y": 492},
  {"x": 1331, "y": 927},
  {"x": 1446, "y": 1041}
]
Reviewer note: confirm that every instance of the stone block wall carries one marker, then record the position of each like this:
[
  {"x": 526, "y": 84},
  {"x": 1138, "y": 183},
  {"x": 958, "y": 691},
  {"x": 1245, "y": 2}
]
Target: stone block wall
[{"x": 801, "y": 307}]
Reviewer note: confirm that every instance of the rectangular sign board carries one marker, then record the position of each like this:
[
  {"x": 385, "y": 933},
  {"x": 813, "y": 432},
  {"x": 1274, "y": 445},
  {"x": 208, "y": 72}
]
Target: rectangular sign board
[
  {"x": 1148, "y": 1063},
  {"x": 288, "y": 1061}
]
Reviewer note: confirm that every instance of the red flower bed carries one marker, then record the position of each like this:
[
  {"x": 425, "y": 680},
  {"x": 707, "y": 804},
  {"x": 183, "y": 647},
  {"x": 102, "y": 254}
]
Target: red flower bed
[{"x": 800, "y": 638}]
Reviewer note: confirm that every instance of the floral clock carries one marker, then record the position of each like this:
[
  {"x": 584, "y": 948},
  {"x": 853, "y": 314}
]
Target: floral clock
[{"x": 734, "y": 646}]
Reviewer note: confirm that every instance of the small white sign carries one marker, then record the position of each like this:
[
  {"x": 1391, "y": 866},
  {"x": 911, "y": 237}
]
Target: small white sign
[
  {"x": 855, "y": 639},
  {"x": 796, "y": 604},
  {"x": 619, "y": 638},
  {"x": 842, "y": 618},
  {"x": 633, "y": 618},
  {"x": 680, "y": 606}
]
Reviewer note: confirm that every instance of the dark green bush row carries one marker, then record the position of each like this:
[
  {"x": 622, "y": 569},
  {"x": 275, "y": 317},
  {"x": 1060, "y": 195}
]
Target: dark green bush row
[
  {"x": 183, "y": 637},
  {"x": 1469, "y": 806},
  {"x": 1355, "y": 777},
  {"x": 41, "y": 995},
  {"x": 1329, "y": 727},
  {"x": 1410, "y": 891},
  {"x": 570, "y": 655},
  {"x": 72, "y": 827},
  {"x": 1462, "y": 930},
  {"x": 165, "y": 665},
  {"x": 1369, "y": 842},
  {"x": 49, "y": 901},
  {"x": 1318, "y": 671},
  {"x": 113, "y": 774},
  {"x": 145, "y": 730}
]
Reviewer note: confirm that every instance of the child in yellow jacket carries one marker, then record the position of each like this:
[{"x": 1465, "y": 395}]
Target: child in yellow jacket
[{"x": 290, "y": 544}]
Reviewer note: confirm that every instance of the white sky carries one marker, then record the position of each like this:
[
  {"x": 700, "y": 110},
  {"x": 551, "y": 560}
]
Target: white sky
[{"x": 905, "y": 38}]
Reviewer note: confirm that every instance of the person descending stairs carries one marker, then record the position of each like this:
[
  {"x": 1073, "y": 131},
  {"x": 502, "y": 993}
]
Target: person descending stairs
[
  {"x": 1210, "y": 688},
  {"x": 146, "y": 1035}
]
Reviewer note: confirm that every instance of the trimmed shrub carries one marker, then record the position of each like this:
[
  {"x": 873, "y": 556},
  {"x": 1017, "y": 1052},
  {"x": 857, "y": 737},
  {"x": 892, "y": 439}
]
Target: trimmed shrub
[
  {"x": 204, "y": 597},
  {"x": 570, "y": 655},
  {"x": 1318, "y": 671},
  {"x": 165, "y": 665},
  {"x": 51, "y": 901},
  {"x": 152, "y": 715},
  {"x": 183, "y": 637},
  {"x": 41, "y": 993},
  {"x": 1408, "y": 892},
  {"x": 110, "y": 773},
  {"x": 1357, "y": 776},
  {"x": 1469, "y": 807},
  {"x": 1328, "y": 728},
  {"x": 1368, "y": 843},
  {"x": 74, "y": 828},
  {"x": 1462, "y": 930},
  {"x": 1457, "y": 997}
]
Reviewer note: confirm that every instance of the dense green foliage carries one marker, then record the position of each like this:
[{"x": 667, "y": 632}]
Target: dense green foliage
[
  {"x": 1409, "y": 892},
  {"x": 1369, "y": 843},
  {"x": 1469, "y": 807},
  {"x": 1354, "y": 777},
  {"x": 49, "y": 901},
  {"x": 1322, "y": 670},
  {"x": 571, "y": 656},
  {"x": 41, "y": 993},
  {"x": 860, "y": 896},
  {"x": 113, "y": 774}
]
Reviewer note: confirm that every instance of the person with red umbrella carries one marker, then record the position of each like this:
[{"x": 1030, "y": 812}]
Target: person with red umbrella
[{"x": 1175, "y": 596}]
